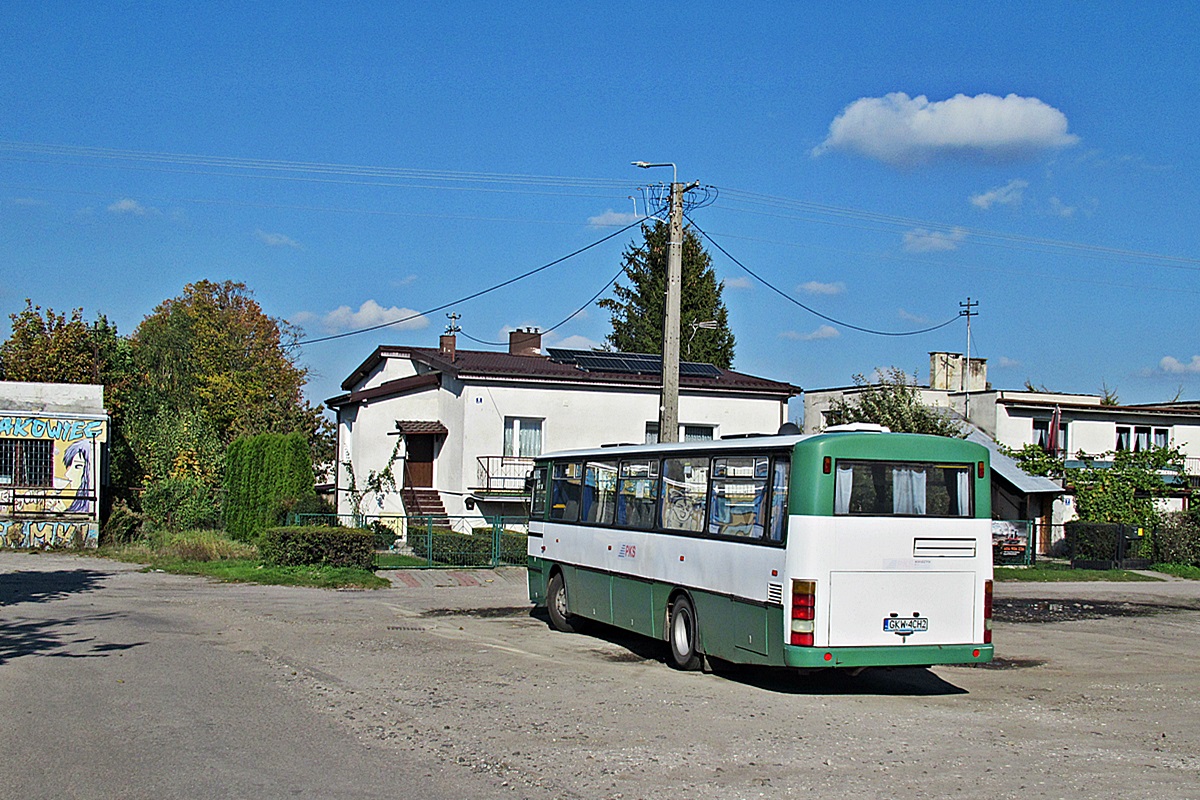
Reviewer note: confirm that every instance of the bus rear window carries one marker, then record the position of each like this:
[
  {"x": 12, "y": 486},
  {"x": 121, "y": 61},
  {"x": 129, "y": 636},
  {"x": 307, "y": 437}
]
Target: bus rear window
[{"x": 883, "y": 488}]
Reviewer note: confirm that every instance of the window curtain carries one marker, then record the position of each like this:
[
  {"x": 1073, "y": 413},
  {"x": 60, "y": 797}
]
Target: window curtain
[
  {"x": 842, "y": 487},
  {"x": 531, "y": 438},
  {"x": 963, "y": 477},
  {"x": 908, "y": 491}
]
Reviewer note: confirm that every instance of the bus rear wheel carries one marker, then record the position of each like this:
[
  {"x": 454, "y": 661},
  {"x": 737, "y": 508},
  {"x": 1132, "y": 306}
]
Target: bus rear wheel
[
  {"x": 682, "y": 635},
  {"x": 556, "y": 606}
]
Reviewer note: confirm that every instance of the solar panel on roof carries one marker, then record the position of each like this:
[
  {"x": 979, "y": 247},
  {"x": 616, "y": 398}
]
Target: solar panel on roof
[{"x": 631, "y": 363}]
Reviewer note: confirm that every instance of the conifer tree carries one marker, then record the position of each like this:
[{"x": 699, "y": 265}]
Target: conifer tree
[{"x": 638, "y": 307}]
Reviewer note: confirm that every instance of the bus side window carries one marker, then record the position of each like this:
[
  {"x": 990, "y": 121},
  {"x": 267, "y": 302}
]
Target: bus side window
[
  {"x": 565, "y": 486},
  {"x": 599, "y": 487},
  {"x": 637, "y": 494},
  {"x": 739, "y": 485},
  {"x": 537, "y": 497},
  {"x": 684, "y": 493},
  {"x": 779, "y": 500}
]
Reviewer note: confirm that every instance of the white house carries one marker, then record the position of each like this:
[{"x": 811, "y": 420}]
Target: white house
[
  {"x": 464, "y": 425},
  {"x": 52, "y": 447},
  {"x": 1068, "y": 424}
]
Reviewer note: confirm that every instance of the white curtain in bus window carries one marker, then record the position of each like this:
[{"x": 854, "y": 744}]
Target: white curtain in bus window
[
  {"x": 599, "y": 503},
  {"x": 739, "y": 484},
  {"x": 843, "y": 488},
  {"x": 565, "y": 490},
  {"x": 637, "y": 494},
  {"x": 908, "y": 491},
  {"x": 685, "y": 489},
  {"x": 779, "y": 500}
]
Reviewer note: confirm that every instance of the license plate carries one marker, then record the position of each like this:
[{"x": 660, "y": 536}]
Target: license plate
[{"x": 905, "y": 624}]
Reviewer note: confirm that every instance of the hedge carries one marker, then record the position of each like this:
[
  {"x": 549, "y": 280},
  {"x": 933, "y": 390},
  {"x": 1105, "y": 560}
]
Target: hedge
[
  {"x": 464, "y": 549},
  {"x": 317, "y": 544},
  {"x": 265, "y": 475},
  {"x": 1177, "y": 539}
]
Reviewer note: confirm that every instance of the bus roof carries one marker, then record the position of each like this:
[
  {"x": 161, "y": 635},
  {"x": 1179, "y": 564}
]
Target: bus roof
[{"x": 738, "y": 444}]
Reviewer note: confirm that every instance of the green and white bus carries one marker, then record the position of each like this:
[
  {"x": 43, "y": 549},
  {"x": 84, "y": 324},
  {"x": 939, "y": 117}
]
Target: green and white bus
[{"x": 850, "y": 548}]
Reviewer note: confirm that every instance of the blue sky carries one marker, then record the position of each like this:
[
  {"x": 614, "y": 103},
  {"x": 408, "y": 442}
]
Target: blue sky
[{"x": 879, "y": 165}]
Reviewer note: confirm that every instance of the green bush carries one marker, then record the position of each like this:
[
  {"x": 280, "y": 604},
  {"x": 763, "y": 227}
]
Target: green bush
[
  {"x": 180, "y": 504},
  {"x": 317, "y": 544},
  {"x": 466, "y": 549},
  {"x": 264, "y": 476},
  {"x": 1093, "y": 541},
  {"x": 1177, "y": 539},
  {"x": 122, "y": 526}
]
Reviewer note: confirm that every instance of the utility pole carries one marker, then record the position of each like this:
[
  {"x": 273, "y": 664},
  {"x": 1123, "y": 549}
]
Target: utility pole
[
  {"x": 668, "y": 408},
  {"x": 964, "y": 375}
]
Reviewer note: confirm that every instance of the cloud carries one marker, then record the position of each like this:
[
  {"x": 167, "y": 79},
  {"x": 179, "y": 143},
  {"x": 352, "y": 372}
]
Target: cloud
[
  {"x": 1175, "y": 366},
  {"x": 823, "y": 332},
  {"x": 277, "y": 240},
  {"x": 405, "y": 281},
  {"x": 919, "y": 240},
  {"x": 130, "y": 206},
  {"x": 1005, "y": 362},
  {"x": 575, "y": 343},
  {"x": 816, "y": 287},
  {"x": 1007, "y": 195},
  {"x": 368, "y": 314},
  {"x": 906, "y": 131},
  {"x": 27, "y": 201},
  {"x": 1060, "y": 209},
  {"x": 911, "y": 317},
  {"x": 611, "y": 218},
  {"x": 738, "y": 282}
]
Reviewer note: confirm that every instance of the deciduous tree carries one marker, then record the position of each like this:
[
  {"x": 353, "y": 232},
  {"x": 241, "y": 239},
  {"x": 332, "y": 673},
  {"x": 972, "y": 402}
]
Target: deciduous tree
[{"x": 894, "y": 400}]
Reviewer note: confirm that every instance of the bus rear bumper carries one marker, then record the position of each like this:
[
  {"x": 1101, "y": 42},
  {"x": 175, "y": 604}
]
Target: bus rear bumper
[{"x": 903, "y": 656}]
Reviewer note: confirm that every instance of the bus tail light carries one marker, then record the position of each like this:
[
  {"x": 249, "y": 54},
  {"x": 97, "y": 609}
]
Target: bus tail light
[
  {"x": 987, "y": 612},
  {"x": 804, "y": 612}
]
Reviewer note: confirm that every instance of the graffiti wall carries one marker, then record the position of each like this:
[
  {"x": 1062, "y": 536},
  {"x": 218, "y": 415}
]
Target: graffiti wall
[
  {"x": 34, "y": 534},
  {"x": 49, "y": 480}
]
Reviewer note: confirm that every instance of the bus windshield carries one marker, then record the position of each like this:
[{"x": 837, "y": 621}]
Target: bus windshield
[{"x": 877, "y": 488}]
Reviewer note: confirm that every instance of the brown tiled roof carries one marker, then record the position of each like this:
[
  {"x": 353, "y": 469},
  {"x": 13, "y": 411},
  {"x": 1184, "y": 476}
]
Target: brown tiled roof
[
  {"x": 411, "y": 426},
  {"x": 483, "y": 364}
]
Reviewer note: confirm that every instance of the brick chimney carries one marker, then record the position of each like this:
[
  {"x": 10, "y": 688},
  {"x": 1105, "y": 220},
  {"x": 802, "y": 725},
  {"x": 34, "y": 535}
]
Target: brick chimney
[
  {"x": 447, "y": 345},
  {"x": 525, "y": 342}
]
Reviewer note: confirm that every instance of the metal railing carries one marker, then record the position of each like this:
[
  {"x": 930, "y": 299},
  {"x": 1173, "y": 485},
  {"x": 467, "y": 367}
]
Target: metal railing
[
  {"x": 436, "y": 542},
  {"x": 504, "y": 474}
]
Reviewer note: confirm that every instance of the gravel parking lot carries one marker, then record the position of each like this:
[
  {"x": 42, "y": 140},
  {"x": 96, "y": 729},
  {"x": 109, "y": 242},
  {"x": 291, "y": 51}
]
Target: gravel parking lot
[{"x": 117, "y": 683}]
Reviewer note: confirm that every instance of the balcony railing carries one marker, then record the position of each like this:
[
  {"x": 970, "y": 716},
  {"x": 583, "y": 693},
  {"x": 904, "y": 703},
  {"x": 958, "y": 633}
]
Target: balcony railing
[{"x": 502, "y": 474}]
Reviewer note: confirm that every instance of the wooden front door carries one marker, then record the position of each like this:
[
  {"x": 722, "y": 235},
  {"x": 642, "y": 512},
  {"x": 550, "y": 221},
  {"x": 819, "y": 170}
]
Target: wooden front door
[{"x": 420, "y": 459}]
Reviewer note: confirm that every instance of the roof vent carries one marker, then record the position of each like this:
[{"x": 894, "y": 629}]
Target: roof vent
[{"x": 858, "y": 427}]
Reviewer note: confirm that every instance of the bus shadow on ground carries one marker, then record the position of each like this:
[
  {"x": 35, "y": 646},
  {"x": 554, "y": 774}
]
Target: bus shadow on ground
[{"x": 883, "y": 681}]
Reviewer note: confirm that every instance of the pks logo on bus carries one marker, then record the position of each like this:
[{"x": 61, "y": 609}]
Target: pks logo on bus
[{"x": 627, "y": 551}]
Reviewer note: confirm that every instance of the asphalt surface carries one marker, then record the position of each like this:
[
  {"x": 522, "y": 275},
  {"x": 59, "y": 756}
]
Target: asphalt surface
[{"x": 123, "y": 684}]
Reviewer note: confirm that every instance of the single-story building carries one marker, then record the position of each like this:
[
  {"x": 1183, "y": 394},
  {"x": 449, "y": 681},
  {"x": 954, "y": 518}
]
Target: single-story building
[{"x": 53, "y": 445}]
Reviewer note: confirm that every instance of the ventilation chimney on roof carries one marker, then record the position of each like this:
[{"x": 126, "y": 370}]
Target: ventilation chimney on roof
[
  {"x": 525, "y": 342},
  {"x": 447, "y": 344}
]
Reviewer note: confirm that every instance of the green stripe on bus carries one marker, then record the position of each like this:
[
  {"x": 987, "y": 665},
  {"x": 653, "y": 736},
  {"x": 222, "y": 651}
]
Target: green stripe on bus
[{"x": 891, "y": 656}]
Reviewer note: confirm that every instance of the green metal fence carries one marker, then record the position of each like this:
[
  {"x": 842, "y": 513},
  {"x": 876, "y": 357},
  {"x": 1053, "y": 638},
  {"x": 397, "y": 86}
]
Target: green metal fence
[
  {"x": 433, "y": 542},
  {"x": 1014, "y": 543}
]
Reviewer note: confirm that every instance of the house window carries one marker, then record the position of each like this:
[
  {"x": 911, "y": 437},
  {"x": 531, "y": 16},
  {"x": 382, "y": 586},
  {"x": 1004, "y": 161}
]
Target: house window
[
  {"x": 26, "y": 462},
  {"x": 1041, "y": 436},
  {"x": 688, "y": 433},
  {"x": 522, "y": 437},
  {"x": 1162, "y": 437},
  {"x": 1124, "y": 438}
]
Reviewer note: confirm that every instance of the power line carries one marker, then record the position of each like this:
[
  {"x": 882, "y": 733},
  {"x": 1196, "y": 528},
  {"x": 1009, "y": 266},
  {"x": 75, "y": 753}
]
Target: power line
[
  {"x": 810, "y": 310},
  {"x": 473, "y": 295}
]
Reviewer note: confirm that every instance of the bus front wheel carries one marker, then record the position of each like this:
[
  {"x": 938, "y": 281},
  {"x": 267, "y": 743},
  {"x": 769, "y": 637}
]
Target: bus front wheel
[
  {"x": 682, "y": 635},
  {"x": 556, "y": 606}
]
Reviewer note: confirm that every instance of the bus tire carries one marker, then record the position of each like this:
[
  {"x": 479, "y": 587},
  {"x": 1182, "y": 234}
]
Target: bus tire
[
  {"x": 561, "y": 618},
  {"x": 681, "y": 635}
]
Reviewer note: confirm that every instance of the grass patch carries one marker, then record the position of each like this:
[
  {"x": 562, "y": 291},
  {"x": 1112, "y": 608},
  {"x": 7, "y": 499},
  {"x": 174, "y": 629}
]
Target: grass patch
[
  {"x": 251, "y": 571},
  {"x": 214, "y": 555},
  {"x": 1051, "y": 572},
  {"x": 1179, "y": 571}
]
